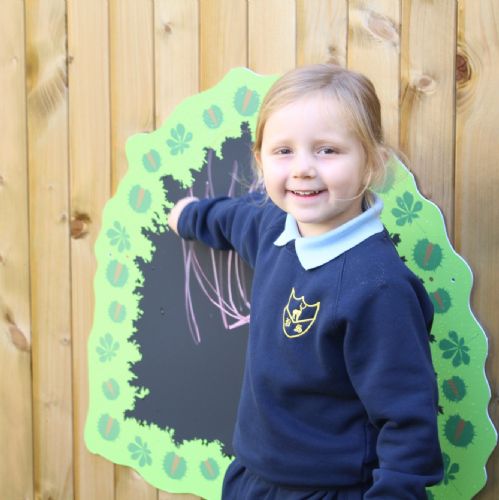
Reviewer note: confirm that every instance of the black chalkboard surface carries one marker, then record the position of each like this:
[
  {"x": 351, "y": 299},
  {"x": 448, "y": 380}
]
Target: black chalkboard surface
[{"x": 193, "y": 331}]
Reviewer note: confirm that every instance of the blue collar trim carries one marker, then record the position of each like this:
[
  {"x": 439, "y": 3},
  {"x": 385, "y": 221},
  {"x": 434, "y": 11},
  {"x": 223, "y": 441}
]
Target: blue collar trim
[{"x": 314, "y": 251}]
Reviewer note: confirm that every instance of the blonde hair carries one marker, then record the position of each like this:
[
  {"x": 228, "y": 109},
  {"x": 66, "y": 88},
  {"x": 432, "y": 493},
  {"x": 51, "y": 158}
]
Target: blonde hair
[{"x": 354, "y": 91}]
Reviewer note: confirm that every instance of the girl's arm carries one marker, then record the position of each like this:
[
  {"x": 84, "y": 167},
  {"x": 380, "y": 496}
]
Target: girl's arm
[
  {"x": 222, "y": 223},
  {"x": 389, "y": 362}
]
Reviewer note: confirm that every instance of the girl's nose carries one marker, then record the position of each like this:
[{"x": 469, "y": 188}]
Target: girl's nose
[{"x": 303, "y": 166}]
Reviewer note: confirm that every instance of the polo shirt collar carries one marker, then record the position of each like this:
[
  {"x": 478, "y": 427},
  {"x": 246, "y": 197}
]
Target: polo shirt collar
[{"x": 314, "y": 251}]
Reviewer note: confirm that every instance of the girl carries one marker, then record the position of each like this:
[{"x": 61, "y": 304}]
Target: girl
[{"x": 339, "y": 398}]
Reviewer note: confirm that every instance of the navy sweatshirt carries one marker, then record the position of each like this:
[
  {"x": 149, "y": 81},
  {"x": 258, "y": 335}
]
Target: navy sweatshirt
[{"x": 339, "y": 387}]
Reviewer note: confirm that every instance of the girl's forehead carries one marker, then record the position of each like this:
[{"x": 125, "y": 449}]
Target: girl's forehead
[
  {"x": 326, "y": 108},
  {"x": 316, "y": 103}
]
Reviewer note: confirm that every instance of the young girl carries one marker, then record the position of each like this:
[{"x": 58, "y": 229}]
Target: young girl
[{"x": 339, "y": 398}]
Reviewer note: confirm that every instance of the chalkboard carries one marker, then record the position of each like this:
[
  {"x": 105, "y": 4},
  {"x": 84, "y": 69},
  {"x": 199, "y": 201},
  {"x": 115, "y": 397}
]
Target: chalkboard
[
  {"x": 195, "y": 387},
  {"x": 167, "y": 346}
]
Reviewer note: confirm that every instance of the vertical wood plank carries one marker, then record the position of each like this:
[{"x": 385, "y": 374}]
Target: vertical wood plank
[
  {"x": 223, "y": 33},
  {"x": 176, "y": 32},
  {"x": 477, "y": 180},
  {"x": 90, "y": 175},
  {"x": 373, "y": 49},
  {"x": 131, "y": 40},
  {"x": 428, "y": 97},
  {"x": 16, "y": 433},
  {"x": 322, "y": 31},
  {"x": 131, "y": 76},
  {"x": 271, "y": 35},
  {"x": 49, "y": 247}
]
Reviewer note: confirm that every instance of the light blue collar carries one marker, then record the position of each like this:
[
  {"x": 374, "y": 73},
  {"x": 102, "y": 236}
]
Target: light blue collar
[{"x": 314, "y": 251}]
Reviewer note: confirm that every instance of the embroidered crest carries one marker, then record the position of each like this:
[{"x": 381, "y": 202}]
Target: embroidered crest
[{"x": 298, "y": 316}]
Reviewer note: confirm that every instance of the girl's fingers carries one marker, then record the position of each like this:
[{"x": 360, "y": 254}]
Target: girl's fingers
[{"x": 177, "y": 210}]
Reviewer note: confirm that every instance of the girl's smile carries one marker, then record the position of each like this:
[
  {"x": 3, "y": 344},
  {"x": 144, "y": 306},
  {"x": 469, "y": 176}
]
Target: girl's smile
[{"x": 313, "y": 165}]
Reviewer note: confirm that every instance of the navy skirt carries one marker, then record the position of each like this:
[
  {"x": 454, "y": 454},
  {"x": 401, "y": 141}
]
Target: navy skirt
[{"x": 241, "y": 484}]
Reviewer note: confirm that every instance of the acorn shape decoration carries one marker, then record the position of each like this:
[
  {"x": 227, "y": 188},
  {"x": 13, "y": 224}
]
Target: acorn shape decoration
[
  {"x": 111, "y": 389},
  {"x": 209, "y": 469},
  {"x": 428, "y": 256},
  {"x": 151, "y": 161},
  {"x": 174, "y": 465},
  {"x": 213, "y": 117},
  {"x": 140, "y": 199},
  {"x": 109, "y": 427},
  {"x": 441, "y": 300},
  {"x": 117, "y": 274},
  {"x": 117, "y": 312},
  {"x": 459, "y": 432},
  {"x": 246, "y": 101},
  {"x": 454, "y": 388}
]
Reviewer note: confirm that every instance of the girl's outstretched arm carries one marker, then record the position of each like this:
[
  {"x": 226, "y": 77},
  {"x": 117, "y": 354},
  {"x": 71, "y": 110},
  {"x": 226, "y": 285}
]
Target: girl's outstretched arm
[{"x": 221, "y": 223}]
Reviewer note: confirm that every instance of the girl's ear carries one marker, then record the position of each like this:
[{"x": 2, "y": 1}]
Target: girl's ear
[
  {"x": 258, "y": 159},
  {"x": 375, "y": 174},
  {"x": 258, "y": 163},
  {"x": 385, "y": 153}
]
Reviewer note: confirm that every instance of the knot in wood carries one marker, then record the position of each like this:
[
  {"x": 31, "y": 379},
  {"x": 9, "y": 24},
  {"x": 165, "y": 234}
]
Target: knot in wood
[
  {"x": 382, "y": 27},
  {"x": 463, "y": 69},
  {"x": 425, "y": 84},
  {"x": 65, "y": 341},
  {"x": 167, "y": 28},
  {"x": 79, "y": 226},
  {"x": 19, "y": 339},
  {"x": 16, "y": 335}
]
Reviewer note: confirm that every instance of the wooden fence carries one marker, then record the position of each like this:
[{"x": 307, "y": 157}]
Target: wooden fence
[{"x": 77, "y": 77}]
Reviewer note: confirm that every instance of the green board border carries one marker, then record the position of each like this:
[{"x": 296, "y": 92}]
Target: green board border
[{"x": 177, "y": 148}]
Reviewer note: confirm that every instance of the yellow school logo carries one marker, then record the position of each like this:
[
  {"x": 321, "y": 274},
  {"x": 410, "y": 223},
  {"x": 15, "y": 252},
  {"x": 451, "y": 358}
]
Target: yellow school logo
[{"x": 298, "y": 316}]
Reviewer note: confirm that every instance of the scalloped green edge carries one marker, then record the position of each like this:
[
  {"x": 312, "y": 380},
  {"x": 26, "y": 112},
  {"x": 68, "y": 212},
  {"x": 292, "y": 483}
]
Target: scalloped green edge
[{"x": 140, "y": 203}]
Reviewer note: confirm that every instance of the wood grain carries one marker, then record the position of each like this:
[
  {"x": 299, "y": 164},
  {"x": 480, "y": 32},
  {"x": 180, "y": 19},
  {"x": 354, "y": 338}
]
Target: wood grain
[
  {"x": 16, "y": 432},
  {"x": 47, "y": 116},
  {"x": 477, "y": 181},
  {"x": 223, "y": 38},
  {"x": 373, "y": 49},
  {"x": 176, "y": 32},
  {"x": 131, "y": 45},
  {"x": 428, "y": 98},
  {"x": 271, "y": 36},
  {"x": 321, "y": 31},
  {"x": 90, "y": 176}
]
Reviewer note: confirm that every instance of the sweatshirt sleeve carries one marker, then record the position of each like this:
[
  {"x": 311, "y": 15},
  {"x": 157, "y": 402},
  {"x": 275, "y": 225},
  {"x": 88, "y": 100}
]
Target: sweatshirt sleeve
[
  {"x": 389, "y": 362},
  {"x": 225, "y": 223}
]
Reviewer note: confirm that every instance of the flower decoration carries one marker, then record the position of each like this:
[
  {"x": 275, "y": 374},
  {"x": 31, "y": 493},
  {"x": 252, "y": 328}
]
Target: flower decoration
[
  {"x": 450, "y": 469},
  {"x": 455, "y": 349},
  {"x": 180, "y": 140},
  {"x": 408, "y": 210},
  {"x": 119, "y": 237},
  {"x": 140, "y": 452},
  {"x": 107, "y": 348}
]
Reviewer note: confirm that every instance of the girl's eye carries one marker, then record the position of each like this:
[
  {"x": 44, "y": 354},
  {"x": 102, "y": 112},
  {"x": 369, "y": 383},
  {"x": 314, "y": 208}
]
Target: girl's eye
[
  {"x": 327, "y": 151},
  {"x": 283, "y": 151}
]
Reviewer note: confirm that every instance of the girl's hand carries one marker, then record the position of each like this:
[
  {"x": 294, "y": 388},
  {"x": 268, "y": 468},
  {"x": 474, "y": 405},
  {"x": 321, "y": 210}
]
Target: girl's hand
[{"x": 177, "y": 210}]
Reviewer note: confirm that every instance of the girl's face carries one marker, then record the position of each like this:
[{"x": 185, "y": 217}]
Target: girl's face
[{"x": 313, "y": 165}]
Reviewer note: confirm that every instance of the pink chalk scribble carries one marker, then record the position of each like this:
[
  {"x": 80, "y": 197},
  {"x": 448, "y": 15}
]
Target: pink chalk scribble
[{"x": 224, "y": 282}]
